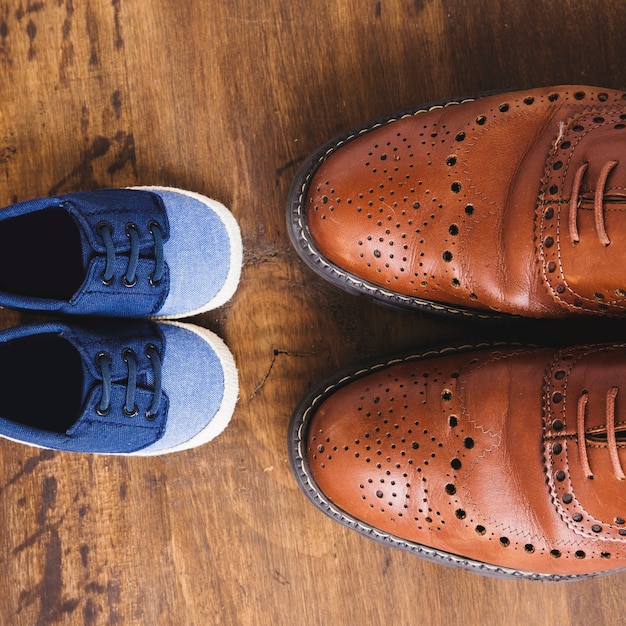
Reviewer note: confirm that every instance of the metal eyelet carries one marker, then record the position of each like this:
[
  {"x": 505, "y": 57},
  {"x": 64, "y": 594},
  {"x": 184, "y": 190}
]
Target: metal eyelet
[
  {"x": 132, "y": 413},
  {"x": 126, "y": 352},
  {"x": 100, "y": 225},
  {"x": 103, "y": 413},
  {"x": 128, "y": 283},
  {"x": 101, "y": 355},
  {"x": 150, "y": 417}
]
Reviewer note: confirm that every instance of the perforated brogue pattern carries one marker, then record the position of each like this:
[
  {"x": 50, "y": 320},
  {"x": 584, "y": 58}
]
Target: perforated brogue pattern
[
  {"x": 395, "y": 448},
  {"x": 602, "y": 111},
  {"x": 405, "y": 470},
  {"x": 395, "y": 208},
  {"x": 413, "y": 231},
  {"x": 420, "y": 209},
  {"x": 560, "y": 445}
]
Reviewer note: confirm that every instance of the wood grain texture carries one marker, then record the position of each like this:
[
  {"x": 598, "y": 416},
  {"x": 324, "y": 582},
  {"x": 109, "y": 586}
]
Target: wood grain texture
[{"x": 227, "y": 98}]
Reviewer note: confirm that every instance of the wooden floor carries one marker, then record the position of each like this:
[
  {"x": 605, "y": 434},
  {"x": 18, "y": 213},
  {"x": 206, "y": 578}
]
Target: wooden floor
[{"x": 227, "y": 98}]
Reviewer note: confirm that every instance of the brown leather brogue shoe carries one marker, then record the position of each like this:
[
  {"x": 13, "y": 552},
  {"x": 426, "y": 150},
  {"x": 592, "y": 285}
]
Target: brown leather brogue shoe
[
  {"x": 509, "y": 204},
  {"x": 509, "y": 461}
]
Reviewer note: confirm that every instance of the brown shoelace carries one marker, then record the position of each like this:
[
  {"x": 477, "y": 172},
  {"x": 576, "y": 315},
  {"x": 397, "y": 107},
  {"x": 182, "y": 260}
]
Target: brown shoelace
[
  {"x": 611, "y": 438},
  {"x": 598, "y": 202}
]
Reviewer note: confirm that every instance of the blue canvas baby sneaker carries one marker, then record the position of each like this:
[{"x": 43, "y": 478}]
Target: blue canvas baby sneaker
[
  {"x": 137, "y": 252},
  {"x": 134, "y": 388}
]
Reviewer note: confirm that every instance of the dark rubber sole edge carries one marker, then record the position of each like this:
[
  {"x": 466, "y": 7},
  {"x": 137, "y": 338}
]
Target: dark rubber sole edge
[
  {"x": 303, "y": 243},
  {"x": 297, "y": 434}
]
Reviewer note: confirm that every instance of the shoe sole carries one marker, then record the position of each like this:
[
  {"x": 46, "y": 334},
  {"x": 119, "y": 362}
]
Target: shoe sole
[
  {"x": 236, "y": 251},
  {"x": 306, "y": 248},
  {"x": 297, "y": 437}
]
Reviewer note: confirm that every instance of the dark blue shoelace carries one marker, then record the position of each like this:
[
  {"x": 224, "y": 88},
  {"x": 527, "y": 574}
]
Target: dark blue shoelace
[
  {"x": 103, "y": 361},
  {"x": 105, "y": 230}
]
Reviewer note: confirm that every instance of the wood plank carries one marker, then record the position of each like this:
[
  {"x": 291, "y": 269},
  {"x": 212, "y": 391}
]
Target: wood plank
[{"x": 227, "y": 98}]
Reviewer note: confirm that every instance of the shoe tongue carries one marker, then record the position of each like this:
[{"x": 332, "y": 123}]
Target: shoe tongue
[
  {"x": 112, "y": 338},
  {"x": 115, "y": 207},
  {"x": 600, "y": 436}
]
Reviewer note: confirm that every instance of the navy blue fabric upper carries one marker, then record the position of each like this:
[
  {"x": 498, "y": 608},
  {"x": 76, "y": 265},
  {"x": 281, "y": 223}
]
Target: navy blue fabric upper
[
  {"x": 118, "y": 208},
  {"x": 114, "y": 432}
]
